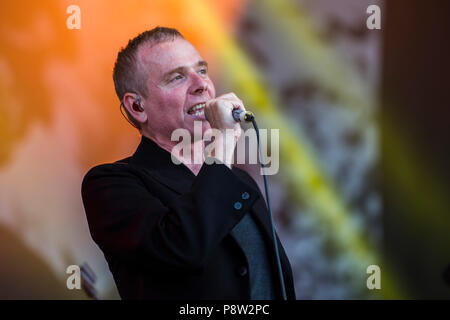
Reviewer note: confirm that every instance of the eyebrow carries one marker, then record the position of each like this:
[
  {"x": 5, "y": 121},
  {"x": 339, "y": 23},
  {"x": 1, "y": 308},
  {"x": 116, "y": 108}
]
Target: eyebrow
[{"x": 167, "y": 75}]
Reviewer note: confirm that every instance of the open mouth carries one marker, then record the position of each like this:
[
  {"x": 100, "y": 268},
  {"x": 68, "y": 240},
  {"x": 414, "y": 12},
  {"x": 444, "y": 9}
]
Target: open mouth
[{"x": 197, "y": 110}]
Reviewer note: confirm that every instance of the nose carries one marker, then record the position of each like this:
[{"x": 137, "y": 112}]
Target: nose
[{"x": 199, "y": 84}]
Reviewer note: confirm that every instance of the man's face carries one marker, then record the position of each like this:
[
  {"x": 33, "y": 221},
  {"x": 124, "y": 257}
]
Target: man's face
[{"x": 177, "y": 81}]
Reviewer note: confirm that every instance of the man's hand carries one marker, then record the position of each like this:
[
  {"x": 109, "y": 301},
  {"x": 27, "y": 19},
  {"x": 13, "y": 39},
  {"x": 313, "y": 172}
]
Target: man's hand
[{"x": 219, "y": 114}]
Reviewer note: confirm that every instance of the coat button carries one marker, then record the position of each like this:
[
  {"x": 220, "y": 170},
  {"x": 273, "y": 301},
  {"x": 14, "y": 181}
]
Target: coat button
[
  {"x": 242, "y": 271},
  {"x": 237, "y": 205},
  {"x": 245, "y": 196}
]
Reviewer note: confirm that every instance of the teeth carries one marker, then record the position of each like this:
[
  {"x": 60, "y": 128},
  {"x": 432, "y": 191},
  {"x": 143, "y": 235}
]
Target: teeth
[
  {"x": 198, "y": 106},
  {"x": 197, "y": 109},
  {"x": 199, "y": 113}
]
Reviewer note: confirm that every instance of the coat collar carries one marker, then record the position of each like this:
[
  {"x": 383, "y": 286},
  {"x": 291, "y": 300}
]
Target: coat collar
[{"x": 158, "y": 163}]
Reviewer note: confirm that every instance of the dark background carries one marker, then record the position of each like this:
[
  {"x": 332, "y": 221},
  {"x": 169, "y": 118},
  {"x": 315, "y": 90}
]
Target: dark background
[{"x": 416, "y": 95}]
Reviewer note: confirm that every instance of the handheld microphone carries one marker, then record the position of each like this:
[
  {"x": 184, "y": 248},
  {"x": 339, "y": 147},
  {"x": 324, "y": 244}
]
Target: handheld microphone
[{"x": 242, "y": 116}]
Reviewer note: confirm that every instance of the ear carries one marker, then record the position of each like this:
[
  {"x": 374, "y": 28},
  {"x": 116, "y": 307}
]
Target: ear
[{"x": 130, "y": 98}]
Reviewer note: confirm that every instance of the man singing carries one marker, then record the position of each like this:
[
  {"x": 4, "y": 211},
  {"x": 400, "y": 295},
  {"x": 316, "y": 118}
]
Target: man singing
[{"x": 186, "y": 231}]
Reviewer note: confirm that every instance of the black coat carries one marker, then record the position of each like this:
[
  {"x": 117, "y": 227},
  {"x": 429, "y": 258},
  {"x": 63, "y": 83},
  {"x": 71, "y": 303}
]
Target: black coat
[{"x": 165, "y": 232}]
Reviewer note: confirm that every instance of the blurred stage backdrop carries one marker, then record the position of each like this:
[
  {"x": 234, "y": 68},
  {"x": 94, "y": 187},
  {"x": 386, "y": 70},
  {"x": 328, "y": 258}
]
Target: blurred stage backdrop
[{"x": 334, "y": 88}]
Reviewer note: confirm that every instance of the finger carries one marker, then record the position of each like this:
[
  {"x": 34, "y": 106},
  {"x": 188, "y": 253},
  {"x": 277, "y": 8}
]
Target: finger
[
  {"x": 239, "y": 106},
  {"x": 235, "y": 102},
  {"x": 230, "y": 96},
  {"x": 220, "y": 104},
  {"x": 227, "y": 95}
]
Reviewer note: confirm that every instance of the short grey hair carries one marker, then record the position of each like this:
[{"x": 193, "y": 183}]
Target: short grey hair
[{"x": 127, "y": 76}]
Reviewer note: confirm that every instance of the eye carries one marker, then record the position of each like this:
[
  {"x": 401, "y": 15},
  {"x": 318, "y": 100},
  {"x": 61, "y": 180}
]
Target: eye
[
  {"x": 178, "y": 77},
  {"x": 203, "y": 71}
]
